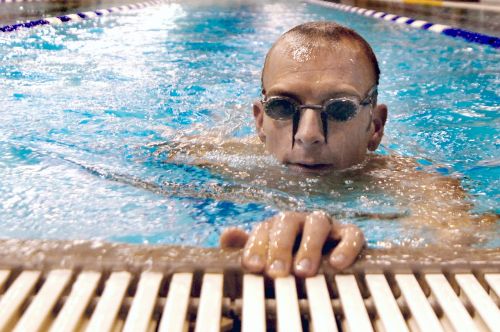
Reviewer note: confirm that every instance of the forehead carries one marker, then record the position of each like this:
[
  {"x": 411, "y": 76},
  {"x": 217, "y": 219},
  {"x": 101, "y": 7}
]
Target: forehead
[{"x": 307, "y": 63}]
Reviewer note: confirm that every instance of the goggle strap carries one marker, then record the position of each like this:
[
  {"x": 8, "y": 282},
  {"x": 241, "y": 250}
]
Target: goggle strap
[
  {"x": 324, "y": 120},
  {"x": 295, "y": 126}
]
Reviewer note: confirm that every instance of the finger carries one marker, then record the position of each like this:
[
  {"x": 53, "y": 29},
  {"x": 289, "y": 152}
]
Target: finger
[
  {"x": 254, "y": 254},
  {"x": 233, "y": 237},
  {"x": 351, "y": 243},
  {"x": 317, "y": 228},
  {"x": 282, "y": 237}
]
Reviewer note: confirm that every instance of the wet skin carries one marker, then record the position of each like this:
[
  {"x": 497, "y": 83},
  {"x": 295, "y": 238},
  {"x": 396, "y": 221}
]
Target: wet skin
[
  {"x": 326, "y": 73},
  {"x": 269, "y": 247},
  {"x": 315, "y": 75}
]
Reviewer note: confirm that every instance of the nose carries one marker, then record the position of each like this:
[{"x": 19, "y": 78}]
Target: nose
[{"x": 310, "y": 129}]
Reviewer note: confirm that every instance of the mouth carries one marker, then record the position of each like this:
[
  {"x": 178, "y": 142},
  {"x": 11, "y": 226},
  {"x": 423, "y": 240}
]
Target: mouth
[{"x": 310, "y": 168}]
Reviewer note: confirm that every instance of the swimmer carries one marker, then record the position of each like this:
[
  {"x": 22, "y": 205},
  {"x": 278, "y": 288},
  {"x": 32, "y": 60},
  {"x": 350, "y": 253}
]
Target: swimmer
[{"x": 318, "y": 113}]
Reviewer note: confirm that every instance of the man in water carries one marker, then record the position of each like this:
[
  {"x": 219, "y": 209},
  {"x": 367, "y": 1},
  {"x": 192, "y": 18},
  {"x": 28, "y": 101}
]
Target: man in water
[{"x": 319, "y": 113}]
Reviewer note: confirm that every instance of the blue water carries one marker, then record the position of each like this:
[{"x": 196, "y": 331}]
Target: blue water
[{"x": 82, "y": 102}]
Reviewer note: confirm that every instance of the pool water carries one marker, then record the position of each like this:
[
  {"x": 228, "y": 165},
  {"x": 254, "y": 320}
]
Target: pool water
[{"x": 82, "y": 105}]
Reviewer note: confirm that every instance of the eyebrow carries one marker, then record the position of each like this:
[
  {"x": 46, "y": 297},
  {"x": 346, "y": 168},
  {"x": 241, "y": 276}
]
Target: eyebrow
[
  {"x": 329, "y": 95},
  {"x": 284, "y": 93}
]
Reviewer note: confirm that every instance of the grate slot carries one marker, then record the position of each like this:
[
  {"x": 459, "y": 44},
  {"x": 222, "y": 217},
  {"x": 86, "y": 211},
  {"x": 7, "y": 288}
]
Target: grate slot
[
  {"x": 106, "y": 311},
  {"x": 176, "y": 306},
  {"x": 39, "y": 310},
  {"x": 15, "y": 296},
  {"x": 418, "y": 303},
  {"x": 4, "y": 275},
  {"x": 493, "y": 280},
  {"x": 481, "y": 301},
  {"x": 387, "y": 307},
  {"x": 254, "y": 313},
  {"x": 139, "y": 316},
  {"x": 355, "y": 314},
  {"x": 320, "y": 305},
  {"x": 287, "y": 305},
  {"x": 81, "y": 294},
  {"x": 453, "y": 308},
  {"x": 209, "y": 311}
]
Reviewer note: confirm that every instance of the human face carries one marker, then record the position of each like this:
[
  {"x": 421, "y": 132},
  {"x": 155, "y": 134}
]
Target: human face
[{"x": 313, "y": 75}]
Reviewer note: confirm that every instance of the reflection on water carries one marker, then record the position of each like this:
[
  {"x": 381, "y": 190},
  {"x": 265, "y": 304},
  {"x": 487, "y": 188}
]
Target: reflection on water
[{"x": 85, "y": 105}]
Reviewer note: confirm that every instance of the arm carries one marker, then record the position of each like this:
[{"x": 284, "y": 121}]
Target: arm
[{"x": 434, "y": 201}]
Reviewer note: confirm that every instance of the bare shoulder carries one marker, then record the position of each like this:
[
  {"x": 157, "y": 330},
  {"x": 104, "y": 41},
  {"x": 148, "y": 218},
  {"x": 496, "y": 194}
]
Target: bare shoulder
[
  {"x": 408, "y": 172},
  {"x": 195, "y": 149}
]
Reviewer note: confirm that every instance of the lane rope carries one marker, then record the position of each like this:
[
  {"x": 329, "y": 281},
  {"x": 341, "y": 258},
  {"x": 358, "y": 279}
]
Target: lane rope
[
  {"x": 78, "y": 16},
  {"x": 16, "y": 1},
  {"x": 469, "y": 36}
]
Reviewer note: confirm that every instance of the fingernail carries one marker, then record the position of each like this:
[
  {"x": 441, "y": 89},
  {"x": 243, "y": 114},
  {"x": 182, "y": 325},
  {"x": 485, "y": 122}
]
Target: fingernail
[
  {"x": 255, "y": 260},
  {"x": 277, "y": 265},
  {"x": 337, "y": 259},
  {"x": 304, "y": 265}
]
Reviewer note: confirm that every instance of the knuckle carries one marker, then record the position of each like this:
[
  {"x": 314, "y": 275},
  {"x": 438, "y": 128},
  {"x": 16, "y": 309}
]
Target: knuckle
[
  {"x": 290, "y": 216},
  {"x": 352, "y": 230},
  {"x": 262, "y": 226},
  {"x": 320, "y": 214},
  {"x": 352, "y": 236},
  {"x": 319, "y": 218},
  {"x": 284, "y": 215}
]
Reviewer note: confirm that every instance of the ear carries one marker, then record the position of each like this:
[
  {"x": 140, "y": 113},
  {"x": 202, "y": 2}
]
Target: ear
[
  {"x": 379, "y": 119},
  {"x": 258, "y": 115}
]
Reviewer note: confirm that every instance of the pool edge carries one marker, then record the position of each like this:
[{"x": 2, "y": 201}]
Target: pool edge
[{"x": 98, "y": 255}]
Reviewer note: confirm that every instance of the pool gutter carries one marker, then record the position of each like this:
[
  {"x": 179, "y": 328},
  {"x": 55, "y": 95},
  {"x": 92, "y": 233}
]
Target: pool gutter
[{"x": 43, "y": 254}]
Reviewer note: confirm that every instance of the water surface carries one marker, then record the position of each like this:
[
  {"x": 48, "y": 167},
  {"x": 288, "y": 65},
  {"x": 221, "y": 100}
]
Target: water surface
[{"x": 82, "y": 102}]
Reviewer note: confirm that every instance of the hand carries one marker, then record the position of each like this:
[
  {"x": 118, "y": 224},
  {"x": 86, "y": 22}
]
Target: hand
[{"x": 269, "y": 246}]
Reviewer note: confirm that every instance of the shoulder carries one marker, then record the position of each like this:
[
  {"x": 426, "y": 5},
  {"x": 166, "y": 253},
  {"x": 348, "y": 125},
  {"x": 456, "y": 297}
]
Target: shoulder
[{"x": 197, "y": 149}]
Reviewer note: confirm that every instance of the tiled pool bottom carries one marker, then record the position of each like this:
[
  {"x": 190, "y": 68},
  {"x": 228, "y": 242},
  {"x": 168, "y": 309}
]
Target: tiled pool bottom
[{"x": 107, "y": 287}]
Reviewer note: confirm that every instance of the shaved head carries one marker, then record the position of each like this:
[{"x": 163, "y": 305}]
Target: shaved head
[{"x": 304, "y": 42}]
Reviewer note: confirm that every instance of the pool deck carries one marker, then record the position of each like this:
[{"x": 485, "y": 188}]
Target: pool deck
[{"x": 481, "y": 17}]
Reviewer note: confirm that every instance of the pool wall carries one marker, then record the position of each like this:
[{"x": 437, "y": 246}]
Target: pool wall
[
  {"x": 470, "y": 36},
  {"x": 78, "y": 16}
]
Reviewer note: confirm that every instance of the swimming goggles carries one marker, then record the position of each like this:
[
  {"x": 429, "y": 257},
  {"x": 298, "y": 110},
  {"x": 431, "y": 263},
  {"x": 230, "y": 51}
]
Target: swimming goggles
[{"x": 339, "y": 109}]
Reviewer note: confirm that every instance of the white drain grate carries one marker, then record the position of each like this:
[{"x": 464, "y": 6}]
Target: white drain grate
[{"x": 66, "y": 300}]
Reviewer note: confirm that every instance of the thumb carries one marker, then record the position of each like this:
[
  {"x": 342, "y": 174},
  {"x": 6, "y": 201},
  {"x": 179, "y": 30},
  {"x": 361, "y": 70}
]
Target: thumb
[{"x": 233, "y": 237}]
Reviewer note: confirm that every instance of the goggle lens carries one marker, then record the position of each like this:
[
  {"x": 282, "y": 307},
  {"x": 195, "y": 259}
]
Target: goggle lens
[
  {"x": 280, "y": 108},
  {"x": 341, "y": 110}
]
